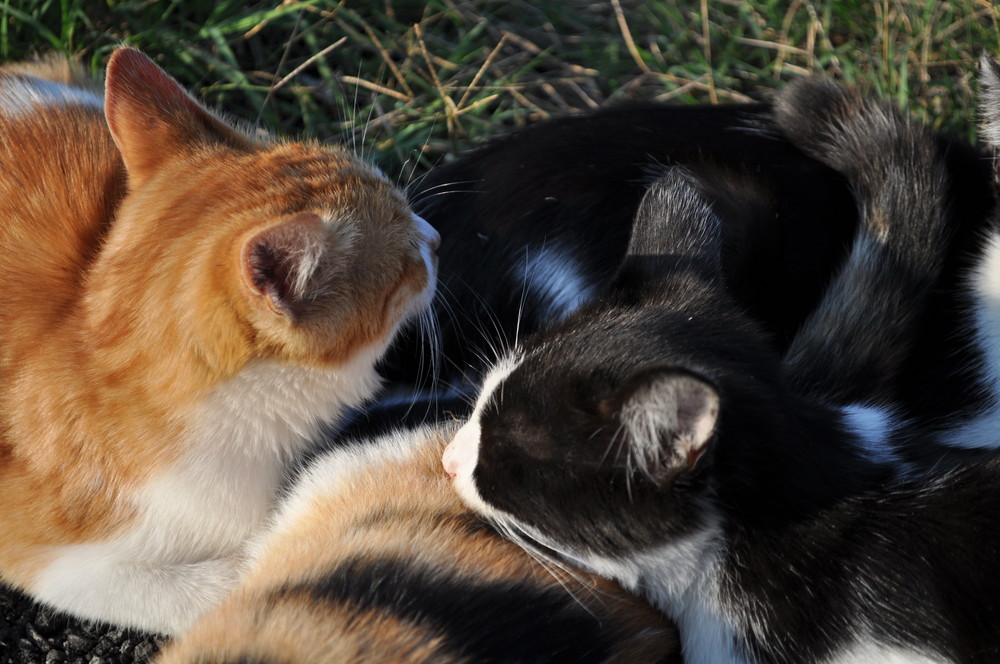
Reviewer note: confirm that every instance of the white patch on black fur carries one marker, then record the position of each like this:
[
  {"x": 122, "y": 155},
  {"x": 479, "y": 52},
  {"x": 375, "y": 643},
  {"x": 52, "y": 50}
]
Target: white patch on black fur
[
  {"x": 874, "y": 428},
  {"x": 869, "y": 652},
  {"x": 462, "y": 453},
  {"x": 681, "y": 579},
  {"x": 555, "y": 280},
  {"x": 983, "y": 431}
]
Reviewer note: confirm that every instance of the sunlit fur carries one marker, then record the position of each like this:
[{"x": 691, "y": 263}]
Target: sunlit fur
[
  {"x": 772, "y": 526},
  {"x": 983, "y": 281},
  {"x": 372, "y": 558},
  {"x": 182, "y": 306}
]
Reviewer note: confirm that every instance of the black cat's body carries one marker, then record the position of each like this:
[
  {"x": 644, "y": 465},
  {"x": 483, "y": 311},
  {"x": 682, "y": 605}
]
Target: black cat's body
[
  {"x": 657, "y": 438},
  {"x": 534, "y": 224}
]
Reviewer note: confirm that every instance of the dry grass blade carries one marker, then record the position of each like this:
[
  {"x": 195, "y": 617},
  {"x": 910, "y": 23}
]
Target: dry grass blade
[
  {"x": 707, "y": 47},
  {"x": 375, "y": 87},
  {"x": 313, "y": 58}
]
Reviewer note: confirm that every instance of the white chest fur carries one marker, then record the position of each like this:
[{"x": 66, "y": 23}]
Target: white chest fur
[
  {"x": 186, "y": 546},
  {"x": 682, "y": 580}
]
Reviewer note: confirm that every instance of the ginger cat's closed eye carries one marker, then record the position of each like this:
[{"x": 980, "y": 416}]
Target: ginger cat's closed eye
[{"x": 183, "y": 305}]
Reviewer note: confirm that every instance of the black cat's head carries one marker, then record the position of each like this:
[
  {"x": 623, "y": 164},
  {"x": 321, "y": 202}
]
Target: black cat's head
[{"x": 597, "y": 436}]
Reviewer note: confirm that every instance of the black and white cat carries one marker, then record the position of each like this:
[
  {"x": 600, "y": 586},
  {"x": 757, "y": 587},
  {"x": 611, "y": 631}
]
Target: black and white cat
[
  {"x": 909, "y": 330},
  {"x": 656, "y": 438},
  {"x": 535, "y": 223},
  {"x": 975, "y": 357}
]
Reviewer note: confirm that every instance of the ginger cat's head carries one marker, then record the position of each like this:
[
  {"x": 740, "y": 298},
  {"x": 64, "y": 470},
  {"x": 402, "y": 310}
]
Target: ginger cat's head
[{"x": 263, "y": 249}]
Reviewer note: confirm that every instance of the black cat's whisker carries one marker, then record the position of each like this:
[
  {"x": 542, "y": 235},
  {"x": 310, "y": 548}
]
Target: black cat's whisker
[
  {"x": 524, "y": 296},
  {"x": 430, "y": 331},
  {"x": 617, "y": 439},
  {"x": 426, "y": 194},
  {"x": 445, "y": 298},
  {"x": 555, "y": 567},
  {"x": 497, "y": 345},
  {"x": 367, "y": 124},
  {"x": 416, "y": 159},
  {"x": 424, "y": 369}
]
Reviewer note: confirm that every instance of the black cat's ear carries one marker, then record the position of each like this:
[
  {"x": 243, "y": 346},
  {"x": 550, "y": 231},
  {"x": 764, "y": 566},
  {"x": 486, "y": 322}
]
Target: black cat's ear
[
  {"x": 668, "y": 417},
  {"x": 151, "y": 117},
  {"x": 674, "y": 221},
  {"x": 989, "y": 99}
]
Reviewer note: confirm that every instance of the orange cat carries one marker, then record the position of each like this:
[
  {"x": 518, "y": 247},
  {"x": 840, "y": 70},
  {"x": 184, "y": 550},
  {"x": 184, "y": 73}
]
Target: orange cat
[
  {"x": 373, "y": 558},
  {"x": 182, "y": 305}
]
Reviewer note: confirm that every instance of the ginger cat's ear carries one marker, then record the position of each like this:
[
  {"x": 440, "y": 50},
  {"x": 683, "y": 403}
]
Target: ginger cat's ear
[
  {"x": 280, "y": 262},
  {"x": 151, "y": 117}
]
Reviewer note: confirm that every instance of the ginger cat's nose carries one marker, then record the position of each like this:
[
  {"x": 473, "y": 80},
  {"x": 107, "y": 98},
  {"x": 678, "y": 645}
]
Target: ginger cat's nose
[{"x": 431, "y": 236}]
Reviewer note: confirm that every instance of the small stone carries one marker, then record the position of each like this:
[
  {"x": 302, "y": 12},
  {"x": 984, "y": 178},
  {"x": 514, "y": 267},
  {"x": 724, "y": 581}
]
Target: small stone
[
  {"x": 96, "y": 660},
  {"x": 78, "y": 644},
  {"x": 144, "y": 651},
  {"x": 92, "y": 630},
  {"x": 55, "y": 657},
  {"x": 50, "y": 623},
  {"x": 105, "y": 647},
  {"x": 42, "y": 643},
  {"x": 114, "y": 633}
]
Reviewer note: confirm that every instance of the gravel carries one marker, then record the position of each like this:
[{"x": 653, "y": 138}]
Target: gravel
[{"x": 34, "y": 634}]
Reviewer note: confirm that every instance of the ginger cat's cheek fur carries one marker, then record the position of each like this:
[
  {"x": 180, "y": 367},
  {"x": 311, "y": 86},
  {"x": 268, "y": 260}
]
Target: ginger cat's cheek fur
[{"x": 183, "y": 306}]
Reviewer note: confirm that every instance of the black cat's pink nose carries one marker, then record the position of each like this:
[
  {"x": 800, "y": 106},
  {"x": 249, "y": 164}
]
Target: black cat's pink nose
[{"x": 450, "y": 462}]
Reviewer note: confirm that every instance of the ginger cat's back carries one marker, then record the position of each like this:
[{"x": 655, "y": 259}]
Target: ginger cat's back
[{"x": 62, "y": 180}]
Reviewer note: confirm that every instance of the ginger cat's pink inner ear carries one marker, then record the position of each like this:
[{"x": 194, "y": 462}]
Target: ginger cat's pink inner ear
[
  {"x": 151, "y": 117},
  {"x": 280, "y": 261}
]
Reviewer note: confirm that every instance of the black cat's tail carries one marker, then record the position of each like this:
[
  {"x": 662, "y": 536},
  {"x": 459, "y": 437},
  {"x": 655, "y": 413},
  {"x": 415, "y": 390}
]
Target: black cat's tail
[
  {"x": 989, "y": 106},
  {"x": 852, "y": 346}
]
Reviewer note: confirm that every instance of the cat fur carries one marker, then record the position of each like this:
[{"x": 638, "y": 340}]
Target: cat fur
[
  {"x": 655, "y": 438},
  {"x": 978, "y": 366},
  {"x": 907, "y": 330},
  {"x": 536, "y": 222},
  {"x": 372, "y": 558},
  {"x": 184, "y": 305}
]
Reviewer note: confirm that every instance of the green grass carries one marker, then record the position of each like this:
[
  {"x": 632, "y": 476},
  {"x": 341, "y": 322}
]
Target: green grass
[{"x": 410, "y": 83}]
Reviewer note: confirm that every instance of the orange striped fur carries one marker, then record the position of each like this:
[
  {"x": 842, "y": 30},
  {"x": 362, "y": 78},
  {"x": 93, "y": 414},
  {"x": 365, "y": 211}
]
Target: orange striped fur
[
  {"x": 388, "y": 505},
  {"x": 182, "y": 305}
]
